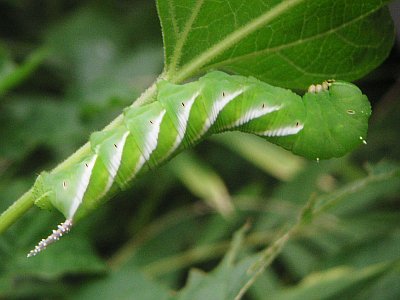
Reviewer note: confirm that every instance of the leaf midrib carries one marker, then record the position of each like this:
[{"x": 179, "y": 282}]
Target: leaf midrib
[
  {"x": 299, "y": 42},
  {"x": 184, "y": 34},
  {"x": 230, "y": 40}
]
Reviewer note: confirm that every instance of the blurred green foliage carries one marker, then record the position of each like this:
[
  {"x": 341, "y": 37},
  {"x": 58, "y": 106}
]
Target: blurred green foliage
[{"x": 67, "y": 68}]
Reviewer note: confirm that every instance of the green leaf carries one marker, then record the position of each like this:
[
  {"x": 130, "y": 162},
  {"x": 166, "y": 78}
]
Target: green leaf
[
  {"x": 386, "y": 287},
  {"x": 12, "y": 75},
  {"x": 334, "y": 282},
  {"x": 274, "y": 160},
  {"x": 22, "y": 276},
  {"x": 202, "y": 181},
  {"x": 28, "y": 122},
  {"x": 127, "y": 283},
  {"x": 380, "y": 181},
  {"x": 290, "y": 43},
  {"x": 93, "y": 41},
  {"x": 225, "y": 281}
]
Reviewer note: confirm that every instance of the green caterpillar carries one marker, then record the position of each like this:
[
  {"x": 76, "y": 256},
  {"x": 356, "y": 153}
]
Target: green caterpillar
[{"x": 328, "y": 121}]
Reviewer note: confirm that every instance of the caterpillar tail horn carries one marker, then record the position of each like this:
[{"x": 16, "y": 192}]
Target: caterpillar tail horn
[{"x": 61, "y": 230}]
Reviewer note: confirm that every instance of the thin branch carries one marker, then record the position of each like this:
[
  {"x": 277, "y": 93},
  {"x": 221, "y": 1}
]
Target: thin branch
[{"x": 16, "y": 210}]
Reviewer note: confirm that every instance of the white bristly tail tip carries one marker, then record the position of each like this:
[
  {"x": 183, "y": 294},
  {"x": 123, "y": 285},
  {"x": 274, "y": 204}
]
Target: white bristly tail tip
[
  {"x": 62, "y": 229},
  {"x": 364, "y": 141}
]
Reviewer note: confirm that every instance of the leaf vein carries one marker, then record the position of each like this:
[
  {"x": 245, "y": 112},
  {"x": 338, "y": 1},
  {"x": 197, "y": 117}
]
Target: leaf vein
[
  {"x": 183, "y": 36},
  {"x": 231, "y": 39},
  {"x": 171, "y": 11},
  {"x": 298, "y": 43}
]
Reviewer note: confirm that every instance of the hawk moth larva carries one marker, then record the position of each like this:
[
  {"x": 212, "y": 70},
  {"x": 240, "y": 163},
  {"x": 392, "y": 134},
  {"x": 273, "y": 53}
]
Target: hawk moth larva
[{"x": 330, "y": 120}]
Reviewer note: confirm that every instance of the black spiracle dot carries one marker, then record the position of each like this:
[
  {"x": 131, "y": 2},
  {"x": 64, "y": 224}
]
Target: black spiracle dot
[{"x": 351, "y": 112}]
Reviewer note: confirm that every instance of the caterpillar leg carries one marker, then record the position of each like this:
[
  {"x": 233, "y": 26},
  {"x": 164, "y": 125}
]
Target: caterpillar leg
[
  {"x": 62, "y": 229},
  {"x": 316, "y": 88}
]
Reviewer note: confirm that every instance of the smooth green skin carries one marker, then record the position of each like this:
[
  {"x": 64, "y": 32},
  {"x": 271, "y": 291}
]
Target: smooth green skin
[{"x": 335, "y": 122}]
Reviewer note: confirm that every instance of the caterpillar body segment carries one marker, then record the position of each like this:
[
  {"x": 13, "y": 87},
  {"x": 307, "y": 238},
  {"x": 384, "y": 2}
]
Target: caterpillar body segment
[
  {"x": 334, "y": 118},
  {"x": 325, "y": 122}
]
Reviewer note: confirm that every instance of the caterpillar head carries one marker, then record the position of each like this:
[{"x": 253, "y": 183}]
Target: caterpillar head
[{"x": 336, "y": 121}]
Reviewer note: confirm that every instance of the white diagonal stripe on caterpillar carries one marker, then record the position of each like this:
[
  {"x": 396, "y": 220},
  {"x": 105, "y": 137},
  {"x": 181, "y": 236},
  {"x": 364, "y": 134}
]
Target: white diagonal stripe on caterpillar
[
  {"x": 253, "y": 113},
  {"x": 115, "y": 161},
  {"x": 183, "y": 117},
  {"x": 82, "y": 187},
  {"x": 216, "y": 108},
  {"x": 281, "y": 131},
  {"x": 151, "y": 140}
]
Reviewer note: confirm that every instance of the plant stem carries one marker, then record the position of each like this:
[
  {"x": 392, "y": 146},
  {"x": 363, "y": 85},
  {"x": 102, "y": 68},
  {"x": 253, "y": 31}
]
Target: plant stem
[{"x": 16, "y": 210}]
